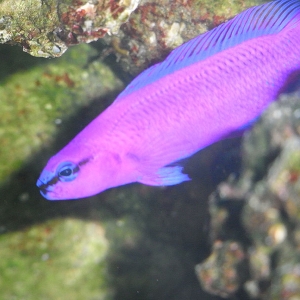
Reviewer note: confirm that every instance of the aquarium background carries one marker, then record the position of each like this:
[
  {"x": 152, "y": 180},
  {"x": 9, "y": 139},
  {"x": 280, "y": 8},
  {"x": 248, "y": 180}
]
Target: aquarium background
[{"x": 232, "y": 232}]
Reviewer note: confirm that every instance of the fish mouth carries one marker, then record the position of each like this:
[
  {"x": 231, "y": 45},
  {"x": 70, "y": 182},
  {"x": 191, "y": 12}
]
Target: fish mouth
[
  {"x": 40, "y": 183},
  {"x": 46, "y": 190},
  {"x": 49, "y": 195},
  {"x": 45, "y": 193},
  {"x": 45, "y": 187}
]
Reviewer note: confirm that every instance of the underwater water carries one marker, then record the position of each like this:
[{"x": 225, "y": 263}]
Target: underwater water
[{"x": 232, "y": 232}]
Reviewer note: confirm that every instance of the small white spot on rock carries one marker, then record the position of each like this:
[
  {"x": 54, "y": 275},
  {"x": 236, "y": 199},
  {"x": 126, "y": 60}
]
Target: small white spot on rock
[
  {"x": 56, "y": 49},
  {"x": 152, "y": 39}
]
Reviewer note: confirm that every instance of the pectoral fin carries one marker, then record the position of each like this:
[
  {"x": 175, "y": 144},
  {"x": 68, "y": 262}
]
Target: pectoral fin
[{"x": 165, "y": 176}]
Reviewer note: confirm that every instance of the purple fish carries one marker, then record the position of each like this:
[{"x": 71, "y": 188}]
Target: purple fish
[{"x": 207, "y": 88}]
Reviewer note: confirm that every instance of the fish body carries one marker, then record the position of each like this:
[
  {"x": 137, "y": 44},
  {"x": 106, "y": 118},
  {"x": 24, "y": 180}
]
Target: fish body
[{"x": 206, "y": 89}]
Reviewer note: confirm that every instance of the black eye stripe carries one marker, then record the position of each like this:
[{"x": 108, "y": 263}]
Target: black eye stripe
[
  {"x": 56, "y": 179},
  {"x": 52, "y": 181},
  {"x": 84, "y": 161},
  {"x": 76, "y": 169}
]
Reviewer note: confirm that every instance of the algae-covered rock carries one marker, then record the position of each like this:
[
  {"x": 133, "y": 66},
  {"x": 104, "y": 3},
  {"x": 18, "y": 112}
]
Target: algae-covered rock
[
  {"x": 35, "y": 102},
  {"x": 31, "y": 24},
  {"x": 60, "y": 259},
  {"x": 220, "y": 273},
  {"x": 47, "y": 28}
]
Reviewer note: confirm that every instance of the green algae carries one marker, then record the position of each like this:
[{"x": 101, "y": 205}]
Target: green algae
[
  {"x": 294, "y": 161},
  {"x": 60, "y": 259},
  {"x": 32, "y": 102},
  {"x": 231, "y": 7}
]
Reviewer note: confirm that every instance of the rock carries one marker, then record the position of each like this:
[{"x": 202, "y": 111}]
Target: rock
[
  {"x": 260, "y": 209},
  {"x": 55, "y": 260},
  {"x": 47, "y": 29},
  {"x": 221, "y": 273}
]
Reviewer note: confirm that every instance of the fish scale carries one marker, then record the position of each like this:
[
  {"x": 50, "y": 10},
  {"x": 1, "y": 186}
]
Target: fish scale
[{"x": 205, "y": 90}]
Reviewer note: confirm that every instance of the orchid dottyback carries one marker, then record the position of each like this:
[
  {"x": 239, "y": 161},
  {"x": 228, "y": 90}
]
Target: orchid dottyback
[{"x": 206, "y": 89}]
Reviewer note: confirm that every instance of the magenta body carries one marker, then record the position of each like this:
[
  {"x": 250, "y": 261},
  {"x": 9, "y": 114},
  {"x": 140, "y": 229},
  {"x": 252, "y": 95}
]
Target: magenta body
[{"x": 175, "y": 116}]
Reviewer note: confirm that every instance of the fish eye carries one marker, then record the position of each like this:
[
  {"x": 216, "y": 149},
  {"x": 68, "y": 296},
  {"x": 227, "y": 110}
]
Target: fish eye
[{"x": 67, "y": 171}]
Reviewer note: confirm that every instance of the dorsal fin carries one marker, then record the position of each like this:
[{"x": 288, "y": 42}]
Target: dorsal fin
[{"x": 266, "y": 19}]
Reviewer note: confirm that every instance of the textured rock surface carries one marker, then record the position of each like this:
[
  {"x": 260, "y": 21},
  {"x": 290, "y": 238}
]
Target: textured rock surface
[
  {"x": 47, "y": 28},
  {"x": 226, "y": 258}
]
